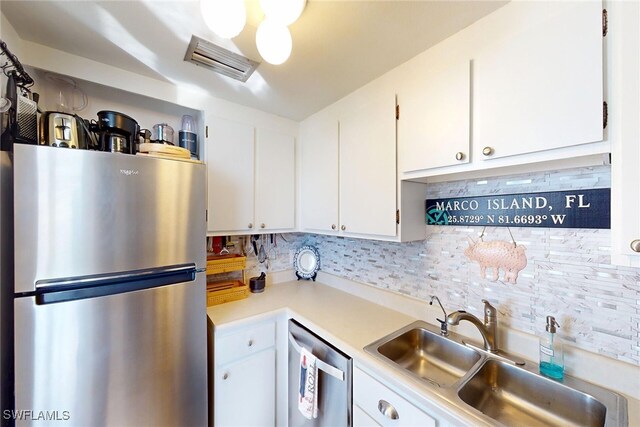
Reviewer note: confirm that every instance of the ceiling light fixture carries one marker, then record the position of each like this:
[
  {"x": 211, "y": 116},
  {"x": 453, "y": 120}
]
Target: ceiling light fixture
[
  {"x": 284, "y": 12},
  {"x": 274, "y": 41},
  {"x": 226, "y": 18}
]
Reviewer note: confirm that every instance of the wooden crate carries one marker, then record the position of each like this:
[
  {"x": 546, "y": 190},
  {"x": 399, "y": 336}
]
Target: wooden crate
[
  {"x": 219, "y": 292},
  {"x": 217, "y": 264}
]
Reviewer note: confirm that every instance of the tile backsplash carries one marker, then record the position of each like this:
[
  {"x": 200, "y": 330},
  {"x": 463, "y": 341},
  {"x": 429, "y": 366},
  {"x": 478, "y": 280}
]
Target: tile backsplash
[{"x": 568, "y": 275}]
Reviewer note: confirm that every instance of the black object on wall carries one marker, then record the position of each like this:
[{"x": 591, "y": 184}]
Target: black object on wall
[{"x": 555, "y": 209}]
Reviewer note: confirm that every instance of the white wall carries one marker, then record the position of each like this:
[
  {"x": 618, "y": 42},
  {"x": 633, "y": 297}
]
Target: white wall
[
  {"x": 147, "y": 100},
  {"x": 14, "y": 43},
  {"x": 9, "y": 35},
  {"x": 46, "y": 58}
]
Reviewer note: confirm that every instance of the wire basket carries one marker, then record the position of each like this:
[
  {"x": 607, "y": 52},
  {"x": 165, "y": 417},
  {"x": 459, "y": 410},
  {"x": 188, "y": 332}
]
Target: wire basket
[
  {"x": 217, "y": 264},
  {"x": 226, "y": 291}
]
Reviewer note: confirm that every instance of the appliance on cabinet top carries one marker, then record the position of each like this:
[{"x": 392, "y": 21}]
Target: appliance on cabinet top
[
  {"x": 118, "y": 133},
  {"x": 113, "y": 132}
]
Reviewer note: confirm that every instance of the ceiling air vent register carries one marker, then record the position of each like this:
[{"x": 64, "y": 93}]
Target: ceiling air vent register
[{"x": 206, "y": 54}]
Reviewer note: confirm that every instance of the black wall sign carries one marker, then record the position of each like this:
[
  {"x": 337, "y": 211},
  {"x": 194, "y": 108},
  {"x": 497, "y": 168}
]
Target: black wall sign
[{"x": 554, "y": 209}]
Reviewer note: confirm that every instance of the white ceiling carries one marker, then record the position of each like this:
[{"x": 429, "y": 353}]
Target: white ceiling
[{"x": 338, "y": 46}]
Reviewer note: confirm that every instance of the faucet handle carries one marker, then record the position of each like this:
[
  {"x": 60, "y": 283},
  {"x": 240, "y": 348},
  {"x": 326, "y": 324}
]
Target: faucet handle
[
  {"x": 444, "y": 328},
  {"x": 443, "y": 323},
  {"x": 490, "y": 312}
]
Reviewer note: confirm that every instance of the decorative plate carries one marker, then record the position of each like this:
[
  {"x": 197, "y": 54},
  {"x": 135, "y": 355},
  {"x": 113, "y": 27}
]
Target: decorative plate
[{"x": 306, "y": 262}]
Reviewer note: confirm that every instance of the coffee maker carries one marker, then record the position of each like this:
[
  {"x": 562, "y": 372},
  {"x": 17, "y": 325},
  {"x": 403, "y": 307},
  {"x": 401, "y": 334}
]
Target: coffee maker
[{"x": 117, "y": 132}]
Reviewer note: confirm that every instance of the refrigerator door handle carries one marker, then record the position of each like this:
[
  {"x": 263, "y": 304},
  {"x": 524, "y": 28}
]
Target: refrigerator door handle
[
  {"x": 70, "y": 289},
  {"x": 323, "y": 366}
]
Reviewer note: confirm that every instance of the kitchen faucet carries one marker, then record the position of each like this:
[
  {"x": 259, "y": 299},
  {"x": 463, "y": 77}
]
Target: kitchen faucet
[
  {"x": 443, "y": 323},
  {"x": 487, "y": 329}
]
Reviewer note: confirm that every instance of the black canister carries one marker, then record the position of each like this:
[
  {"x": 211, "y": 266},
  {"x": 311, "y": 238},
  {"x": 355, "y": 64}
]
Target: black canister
[
  {"x": 188, "y": 140},
  {"x": 256, "y": 284}
]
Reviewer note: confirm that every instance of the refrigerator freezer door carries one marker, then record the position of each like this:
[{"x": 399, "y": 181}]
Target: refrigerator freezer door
[
  {"x": 81, "y": 212},
  {"x": 130, "y": 359}
]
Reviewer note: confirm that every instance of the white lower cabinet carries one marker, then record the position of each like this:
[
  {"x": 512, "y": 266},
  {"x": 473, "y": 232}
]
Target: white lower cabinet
[
  {"x": 376, "y": 405},
  {"x": 361, "y": 418},
  {"x": 245, "y": 395},
  {"x": 245, "y": 376}
]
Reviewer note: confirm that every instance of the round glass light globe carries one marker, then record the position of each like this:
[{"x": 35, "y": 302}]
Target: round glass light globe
[
  {"x": 226, "y": 18},
  {"x": 274, "y": 42},
  {"x": 284, "y": 12}
]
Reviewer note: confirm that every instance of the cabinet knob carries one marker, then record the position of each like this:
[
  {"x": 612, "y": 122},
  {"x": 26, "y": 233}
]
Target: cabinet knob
[
  {"x": 459, "y": 155},
  {"x": 388, "y": 410},
  {"x": 262, "y": 225},
  {"x": 250, "y": 343},
  {"x": 635, "y": 245},
  {"x": 333, "y": 226},
  {"x": 250, "y": 225},
  {"x": 487, "y": 151},
  {"x": 225, "y": 376},
  {"x": 343, "y": 228}
]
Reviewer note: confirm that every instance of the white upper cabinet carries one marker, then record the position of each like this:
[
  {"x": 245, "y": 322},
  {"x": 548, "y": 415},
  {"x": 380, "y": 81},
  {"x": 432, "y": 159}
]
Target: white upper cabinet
[
  {"x": 275, "y": 181},
  {"x": 540, "y": 86},
  {"x": 230, "y": 176},
  {"x": 433, "y": 129},
  {"x": 319, "y": 179},
  {"x": 624, "y": 131},
  {"x": 368, "y": 168},
  {"x": 251, "y": 179},
  {"x": 348, "y": 173}
]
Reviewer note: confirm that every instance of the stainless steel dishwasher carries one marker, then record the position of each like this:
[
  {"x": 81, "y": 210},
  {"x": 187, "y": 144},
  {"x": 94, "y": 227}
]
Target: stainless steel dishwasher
[{"x": 334, "y": 380}]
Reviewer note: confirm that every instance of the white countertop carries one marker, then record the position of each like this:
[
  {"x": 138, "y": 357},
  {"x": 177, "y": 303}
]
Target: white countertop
[{"x": 349, "y": 322}]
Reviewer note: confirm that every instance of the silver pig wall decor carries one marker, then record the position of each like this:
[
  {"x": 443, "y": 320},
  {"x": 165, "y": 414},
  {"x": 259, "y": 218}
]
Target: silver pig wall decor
[{"x": 498, "y": 254}]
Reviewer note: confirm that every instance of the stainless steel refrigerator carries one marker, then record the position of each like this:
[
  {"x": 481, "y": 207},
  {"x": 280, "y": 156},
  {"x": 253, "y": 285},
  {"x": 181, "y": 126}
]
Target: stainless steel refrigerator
[{"x": 108, "y": 288}]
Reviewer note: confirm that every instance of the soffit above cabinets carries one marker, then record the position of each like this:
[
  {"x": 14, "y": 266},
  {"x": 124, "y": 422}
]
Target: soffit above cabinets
[{"x": 338, "y": 46}]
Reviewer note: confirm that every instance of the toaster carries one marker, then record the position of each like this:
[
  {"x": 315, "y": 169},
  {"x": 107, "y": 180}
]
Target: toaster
[{"x": 61, "y": 130}]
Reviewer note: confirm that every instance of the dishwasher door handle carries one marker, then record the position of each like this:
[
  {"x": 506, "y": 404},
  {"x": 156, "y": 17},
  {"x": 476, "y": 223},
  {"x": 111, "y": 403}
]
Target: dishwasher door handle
[{"x": 323, "y": 366}]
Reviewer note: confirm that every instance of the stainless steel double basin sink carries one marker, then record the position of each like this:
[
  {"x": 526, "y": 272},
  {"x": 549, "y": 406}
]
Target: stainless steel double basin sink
[{"x": 494, "y": 388}]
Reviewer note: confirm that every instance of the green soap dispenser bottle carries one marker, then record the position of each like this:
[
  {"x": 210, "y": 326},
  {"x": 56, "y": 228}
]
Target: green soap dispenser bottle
[{"x": 551, "y": 351}]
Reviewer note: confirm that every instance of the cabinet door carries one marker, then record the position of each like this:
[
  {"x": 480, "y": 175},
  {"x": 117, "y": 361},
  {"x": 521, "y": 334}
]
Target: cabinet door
[
  {"x": 362, "y": 419},
  {"x": 319, "y": 174},
  {"x": 245, "y": 391},
  {"x": 542, "y": 87},
  {"x": 624, "y": 90},
  {"x": 381, "y": 404},
  {"x": 230, "y": 157},
  {"x": 433, "y": 129},
  {"x": 275, "y": 181},
  {"x": 368, "y": 169}
]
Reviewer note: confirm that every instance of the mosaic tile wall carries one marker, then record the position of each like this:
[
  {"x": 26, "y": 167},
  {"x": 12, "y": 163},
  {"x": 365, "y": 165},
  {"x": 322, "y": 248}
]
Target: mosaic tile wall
[
  {"x": 568, "y": 274},
  {"x": 279, "y": 254}
]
